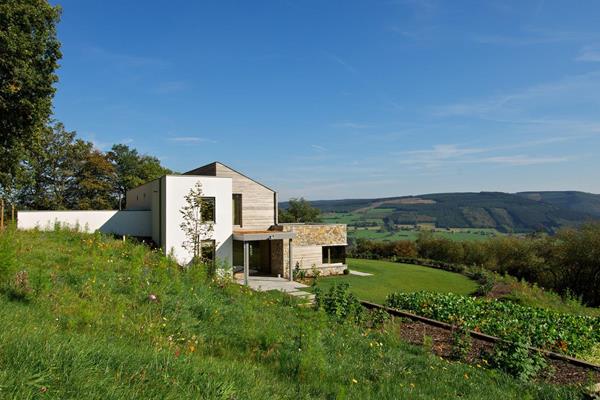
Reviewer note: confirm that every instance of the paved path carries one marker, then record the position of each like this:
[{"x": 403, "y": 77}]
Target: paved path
[
  {"x": 266, "y": 283},
  {"x": 358, "y": 273}
]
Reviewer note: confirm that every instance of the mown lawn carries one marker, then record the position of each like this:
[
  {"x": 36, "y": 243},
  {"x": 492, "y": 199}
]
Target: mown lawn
[
  {"x": 389, "y": 277},
  {"x": 90, "y": 317}
]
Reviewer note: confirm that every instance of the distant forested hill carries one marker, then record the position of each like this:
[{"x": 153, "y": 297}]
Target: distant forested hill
[{"x": 520, "y": 212}]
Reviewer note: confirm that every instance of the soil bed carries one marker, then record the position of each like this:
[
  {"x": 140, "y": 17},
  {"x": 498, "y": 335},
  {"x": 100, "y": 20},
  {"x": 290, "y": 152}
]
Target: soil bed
[{"x": 559, "y": 371}]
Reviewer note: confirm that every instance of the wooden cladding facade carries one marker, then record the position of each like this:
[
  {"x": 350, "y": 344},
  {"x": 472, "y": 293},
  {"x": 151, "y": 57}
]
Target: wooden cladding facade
[{"x": 258, "y": 201}]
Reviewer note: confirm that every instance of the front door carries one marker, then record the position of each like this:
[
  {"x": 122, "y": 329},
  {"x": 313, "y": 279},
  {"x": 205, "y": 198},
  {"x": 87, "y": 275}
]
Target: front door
[{"x": 260, "y": 256}]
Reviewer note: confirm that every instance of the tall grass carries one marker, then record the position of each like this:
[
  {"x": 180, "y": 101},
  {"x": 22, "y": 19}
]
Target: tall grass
[{"x": 107, "y": 319}]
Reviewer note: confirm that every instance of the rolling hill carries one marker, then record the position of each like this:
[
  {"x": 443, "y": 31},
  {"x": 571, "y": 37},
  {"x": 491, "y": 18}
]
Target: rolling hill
[{"x": 506, "y": 212}]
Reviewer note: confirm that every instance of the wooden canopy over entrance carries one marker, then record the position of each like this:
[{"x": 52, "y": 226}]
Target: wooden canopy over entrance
[{"x": 248, "y": 236}]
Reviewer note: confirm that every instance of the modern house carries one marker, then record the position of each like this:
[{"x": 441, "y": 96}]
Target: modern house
[{"x": 246, "y": 233}]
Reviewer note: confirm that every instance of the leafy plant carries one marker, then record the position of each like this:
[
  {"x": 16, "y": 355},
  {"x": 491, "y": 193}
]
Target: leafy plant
[
  {"x": 564, "y": 333},
  {"x": 514, "y": 357},
  {"x": 461, "y": 343},
  {"x": 378, "y": 318},
  {"x": 339, "y": 303}
]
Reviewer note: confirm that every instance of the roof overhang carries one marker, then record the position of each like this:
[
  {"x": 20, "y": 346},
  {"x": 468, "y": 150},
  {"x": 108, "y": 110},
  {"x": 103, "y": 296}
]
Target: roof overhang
[{"x": 262, "y": 235}]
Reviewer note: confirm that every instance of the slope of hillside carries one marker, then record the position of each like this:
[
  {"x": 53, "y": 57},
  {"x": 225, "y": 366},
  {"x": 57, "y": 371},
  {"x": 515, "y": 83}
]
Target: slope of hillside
[
  {"x": 87, "y": 316},
  {"x": 571, "y": 200},
  {"x": 523, "y": 212}
]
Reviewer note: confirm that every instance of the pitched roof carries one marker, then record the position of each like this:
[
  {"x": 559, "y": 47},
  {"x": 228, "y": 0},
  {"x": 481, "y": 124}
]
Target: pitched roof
[{"x": 211, "y": 170}]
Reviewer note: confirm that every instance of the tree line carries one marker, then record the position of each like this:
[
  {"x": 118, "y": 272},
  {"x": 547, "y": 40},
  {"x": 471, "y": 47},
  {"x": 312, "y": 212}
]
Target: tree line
[
  {"x": 42, "y": 165},
  {"x": 567, "y": 262}
]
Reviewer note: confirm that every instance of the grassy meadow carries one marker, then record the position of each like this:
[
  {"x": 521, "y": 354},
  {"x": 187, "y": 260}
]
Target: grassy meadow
[
  {"x": 389, "y": 277},
  {"x": 88, "y": 316}
]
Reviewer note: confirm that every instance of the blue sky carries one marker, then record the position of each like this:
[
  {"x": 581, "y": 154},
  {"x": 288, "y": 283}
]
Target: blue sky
[{"x": 344, "y": 99}]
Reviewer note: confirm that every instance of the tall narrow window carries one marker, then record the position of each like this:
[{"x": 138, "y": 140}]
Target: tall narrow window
[
  {"x": 207, "y": 251},
  {"x": 207, "y": 209},
  {"x": 237, "y": 208}
]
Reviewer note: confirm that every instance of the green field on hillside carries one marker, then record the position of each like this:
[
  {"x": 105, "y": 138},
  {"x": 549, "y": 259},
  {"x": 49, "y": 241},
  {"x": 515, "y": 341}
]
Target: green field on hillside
[
  {"x": 368, "y": 224},
  {"x": 376, "y": 233},
  {"x": 390, "y": 277},
  {"x": 87, "y": 316},
  {"x": 507, "y": 212}
]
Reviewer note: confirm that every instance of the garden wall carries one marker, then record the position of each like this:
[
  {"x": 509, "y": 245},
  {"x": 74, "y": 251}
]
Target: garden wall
[{"x": 129, "y": 223}]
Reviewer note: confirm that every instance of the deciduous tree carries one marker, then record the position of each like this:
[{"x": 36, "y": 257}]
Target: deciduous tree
[
  {"x": 299, "y": 210},
  {"x": 132, "y": 169},
  {"x": 29, "y": 54}
]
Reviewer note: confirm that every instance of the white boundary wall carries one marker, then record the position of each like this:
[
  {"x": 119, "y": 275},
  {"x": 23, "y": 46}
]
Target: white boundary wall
[{"x": 130, "y": 223}]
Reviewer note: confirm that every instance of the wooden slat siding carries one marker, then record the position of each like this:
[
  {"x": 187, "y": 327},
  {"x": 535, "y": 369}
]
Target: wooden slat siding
[
  {"x": 258, "y": 202},
  {"x": 208, "y": 170},
  {"x": 306, "y": 256}
]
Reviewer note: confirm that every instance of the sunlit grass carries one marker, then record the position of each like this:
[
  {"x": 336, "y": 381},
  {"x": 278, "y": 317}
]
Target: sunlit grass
[{"x": 99, "y": 318}]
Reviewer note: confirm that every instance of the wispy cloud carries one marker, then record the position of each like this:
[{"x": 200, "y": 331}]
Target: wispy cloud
[
  {"x": 124, "y": 60},
  {"x": 589, "y": 53},
  {"x": 444, "y": 151},
  {"x": 347, "y": 66},
  {"x": 171, "y": 87},
  {"x": 532, "y": 36},
  {"x": 561, "y": 95},
  {"x": 519, "y": 160},
  {"x": 351, "y": 125},
  {"x": 444, "y": 155},
  {"x": 318, "y": 148},
  {"x": 191, "y": 139}
]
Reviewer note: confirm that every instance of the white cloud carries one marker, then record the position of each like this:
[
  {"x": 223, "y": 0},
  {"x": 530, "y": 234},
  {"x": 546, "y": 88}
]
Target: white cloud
[
  {"x": 124, "y": 60},
  {"x": 190, "y": 139},
  {"x": 352, "y": 125},
  {"x": 559, "y": 95},
  {"x": 318, "y": 148},
  {"x": 171, "y": 87},
  {"x": 520, "y": 160},
  {"x": 445, "y": 155},
  {"x": 347, "y": 66},
  {"x": 589, "y": 53}
]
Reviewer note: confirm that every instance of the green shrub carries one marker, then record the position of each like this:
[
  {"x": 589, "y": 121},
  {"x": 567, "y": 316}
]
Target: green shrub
[
  {"x": 515, "y": 358},
  {"x": 461, "y": 343},
  {"x": 339, "y": 303}
]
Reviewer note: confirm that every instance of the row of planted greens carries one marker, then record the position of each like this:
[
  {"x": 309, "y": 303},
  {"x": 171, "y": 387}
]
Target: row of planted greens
[{"x": 573, "y": 335}]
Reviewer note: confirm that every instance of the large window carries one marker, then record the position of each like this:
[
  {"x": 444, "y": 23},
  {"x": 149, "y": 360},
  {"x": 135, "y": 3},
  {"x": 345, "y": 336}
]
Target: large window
[
  {"x": 237, "y": 209},
  {"x": 207, "y": 251},
  {"x": 334, "y": 254},
  {"x": 207, "y": 209}
]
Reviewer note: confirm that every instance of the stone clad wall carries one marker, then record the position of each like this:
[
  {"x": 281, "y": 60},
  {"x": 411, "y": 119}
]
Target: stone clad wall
[
  {"x": 318, "y": 234},
  {"x": 308, "y": 244}
]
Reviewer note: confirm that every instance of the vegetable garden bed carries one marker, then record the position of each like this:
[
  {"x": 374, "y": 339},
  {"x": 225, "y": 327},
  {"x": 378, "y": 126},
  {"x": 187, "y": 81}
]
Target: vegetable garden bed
[{"x": 572, "y": 335}]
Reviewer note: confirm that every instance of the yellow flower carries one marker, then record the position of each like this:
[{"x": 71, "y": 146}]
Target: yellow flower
[{"x": 354, "y": 380}]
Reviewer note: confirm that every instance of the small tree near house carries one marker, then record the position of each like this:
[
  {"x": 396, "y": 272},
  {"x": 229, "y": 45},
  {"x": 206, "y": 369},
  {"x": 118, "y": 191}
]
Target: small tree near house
[{"x": 197, "y": 225}]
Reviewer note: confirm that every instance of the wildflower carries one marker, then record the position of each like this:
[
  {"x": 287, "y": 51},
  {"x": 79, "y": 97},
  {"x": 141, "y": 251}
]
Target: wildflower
[
  {"x": 152, "y": 297},
  {"x": 466, "y": 376},
  {"x": 354, "y": 380}
]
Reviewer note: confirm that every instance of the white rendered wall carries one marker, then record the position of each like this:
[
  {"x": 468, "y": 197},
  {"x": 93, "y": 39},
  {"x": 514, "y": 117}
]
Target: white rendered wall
[
  {"x": 176, "y": 188},
  {"x": 147, "y": 197},
  {"x": 130, "y": 223}
]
